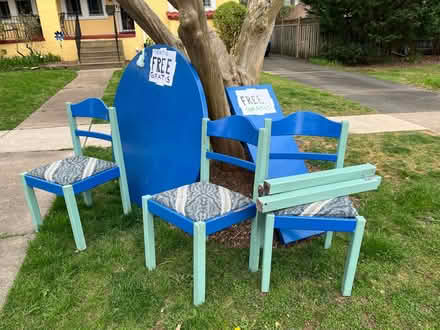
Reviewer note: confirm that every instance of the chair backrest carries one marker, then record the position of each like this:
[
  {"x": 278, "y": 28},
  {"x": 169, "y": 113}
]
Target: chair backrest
[
  {"x": 95, "y": 108},
  {"x": 312, "y": 124},
  {"x": 236, "y": 128}
]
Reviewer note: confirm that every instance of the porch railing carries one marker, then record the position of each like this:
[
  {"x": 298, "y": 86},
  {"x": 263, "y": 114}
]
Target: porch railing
[
  {"x": 21, "y": 28},
  {"x": 68, "y": 24}
]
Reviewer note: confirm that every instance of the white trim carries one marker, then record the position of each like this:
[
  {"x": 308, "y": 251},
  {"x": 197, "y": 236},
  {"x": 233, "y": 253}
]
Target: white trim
[
  {"x": 85, "y": 15},
  {"x": 213, "y": 6}
]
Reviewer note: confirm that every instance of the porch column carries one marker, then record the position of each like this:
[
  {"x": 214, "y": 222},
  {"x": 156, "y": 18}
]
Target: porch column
[{"x": 50, "y": 23}]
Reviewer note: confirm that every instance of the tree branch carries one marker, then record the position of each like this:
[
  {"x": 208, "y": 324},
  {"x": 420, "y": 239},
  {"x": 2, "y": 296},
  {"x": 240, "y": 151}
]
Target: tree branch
[
  {"x": 150, "y": 22},
  {"x": 254, "y": 38}
]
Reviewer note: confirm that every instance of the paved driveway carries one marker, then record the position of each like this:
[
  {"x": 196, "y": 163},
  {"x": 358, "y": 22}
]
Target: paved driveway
[{"x": 384, "y": 96}]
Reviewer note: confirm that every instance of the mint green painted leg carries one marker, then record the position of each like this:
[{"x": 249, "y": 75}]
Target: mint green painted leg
[
  {"x": 87, "y": 195},
  {"x": 267, "y": 252},
  {"x": 254, "y": 251},
  {"x": 32, "y": 203},
  {"x": 328, "y": 240},
  {"x": 150, "y": 253},
  {"x": 125, "y": 196},
  {"x": 353, "y": 256},
  {"x": 199, "y": 262},
  {"x": 262, "y": 226},
  {"x": 74, "y": 218}
]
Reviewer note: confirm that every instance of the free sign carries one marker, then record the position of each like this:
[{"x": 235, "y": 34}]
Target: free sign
[
  {"x": 254, "y": 101},
  {"x": 162, "y": 67}
]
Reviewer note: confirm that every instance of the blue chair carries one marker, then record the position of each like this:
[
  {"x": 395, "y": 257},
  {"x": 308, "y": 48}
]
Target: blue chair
[
  {"x": 336, "y": 214},
  {"x": 79, "y": 174},
  {"x": 202, "y": 208}
]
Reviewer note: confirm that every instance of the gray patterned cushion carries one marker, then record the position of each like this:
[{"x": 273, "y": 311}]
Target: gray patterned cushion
[
  {"x": 340, "y": 207},
  {"x": 71, "y": 170},
  {"x": 202, "y": 201}
]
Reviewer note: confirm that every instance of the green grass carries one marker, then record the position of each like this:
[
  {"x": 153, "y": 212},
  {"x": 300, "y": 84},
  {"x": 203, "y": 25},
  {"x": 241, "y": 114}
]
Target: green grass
[
  {"x": 110, "y": 91},
  {"x": 107, "y": 286},
  {"x": 417, "y": 74},
  {"x": 23, "y": 92},
  {"x": 294, "y": 96},
  {"x": 426, "y": 76}
]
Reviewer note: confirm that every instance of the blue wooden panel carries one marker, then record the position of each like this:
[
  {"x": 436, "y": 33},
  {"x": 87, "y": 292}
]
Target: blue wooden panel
[
  {"x": 44, "y": 185},
  {"x": 91, "y": 107},
  {"x": 235, "y": 128},
  {"x": 305, "y": 156},
  {"x": 216, "y": 224},
  {"x": 96, "y": 180},
  {"x": 279, "y": 144},
  {"x": 171, "y": 216},
  {"x": 231, "y": 160},
  {"x": 306, "y": 123},
  {"x": 316, "y": 223},
  {"x": 160, "y": 125},
  {"x": 95, "y": 135}
]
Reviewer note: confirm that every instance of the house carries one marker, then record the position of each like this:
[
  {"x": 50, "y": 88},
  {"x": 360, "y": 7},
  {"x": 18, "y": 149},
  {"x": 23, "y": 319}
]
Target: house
[{"x": 90, "y": 28}]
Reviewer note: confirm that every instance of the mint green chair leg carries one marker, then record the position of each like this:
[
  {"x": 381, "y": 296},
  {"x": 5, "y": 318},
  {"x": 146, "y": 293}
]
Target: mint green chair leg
[
  {"x": 74, "y": 218},
  {"x": 32, "y": 203},
  {"x": 267, "y": 252},
  {"x": 199, "y": 262},
  {"x": 87, "y": 195},
  {"x": 328, "y": 240},
  {"x": 150, "y": 253},
  {"x": 255, "y": 244},
  {"x": 353, "y": 256},
  {"x": 125, "y": 196}
]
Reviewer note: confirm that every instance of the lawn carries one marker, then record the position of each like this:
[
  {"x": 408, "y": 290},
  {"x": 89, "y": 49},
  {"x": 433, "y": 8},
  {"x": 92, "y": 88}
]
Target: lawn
[
  {"x": 23, "y": 92},
  {"x": 107, "y": 286},
  {"x": 425, "y": 74}
]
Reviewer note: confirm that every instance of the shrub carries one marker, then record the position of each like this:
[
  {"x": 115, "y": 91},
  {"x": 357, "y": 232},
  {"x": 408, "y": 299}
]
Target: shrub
[
  {"x": 350, "y": 54},
  {"x": 18, "y": 62},
  {"x": 228, "y": 19}
]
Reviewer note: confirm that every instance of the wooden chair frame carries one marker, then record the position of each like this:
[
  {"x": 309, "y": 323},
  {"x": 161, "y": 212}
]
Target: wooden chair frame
[
  {"x": 236, "y": 128},
  {"x": 93, "y": 108}
]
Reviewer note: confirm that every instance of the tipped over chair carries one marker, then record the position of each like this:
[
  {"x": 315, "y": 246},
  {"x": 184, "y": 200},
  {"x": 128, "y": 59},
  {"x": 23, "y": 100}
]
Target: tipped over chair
[
  {"x": 203, "y": 208},
  {"x": 79, "y": 174}
]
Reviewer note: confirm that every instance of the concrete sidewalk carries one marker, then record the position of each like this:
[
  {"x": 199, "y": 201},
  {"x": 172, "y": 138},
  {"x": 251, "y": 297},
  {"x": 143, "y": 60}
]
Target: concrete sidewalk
[{"x": 42, "y": 138}]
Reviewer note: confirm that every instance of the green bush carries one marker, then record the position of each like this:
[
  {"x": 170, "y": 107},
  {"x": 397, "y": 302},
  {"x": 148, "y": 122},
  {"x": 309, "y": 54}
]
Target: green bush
[
  {"x": 350, "y": 53},
  {"x": 228, "y": 19},
  {"x": 17, "y": 62}
]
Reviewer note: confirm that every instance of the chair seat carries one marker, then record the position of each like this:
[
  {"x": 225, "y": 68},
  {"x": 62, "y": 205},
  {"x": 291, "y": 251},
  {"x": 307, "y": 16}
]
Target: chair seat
[
  {"x": 202, "y": 201},
  {"x": 340, "y": 207},
  {"x": 71, "y": 170}
]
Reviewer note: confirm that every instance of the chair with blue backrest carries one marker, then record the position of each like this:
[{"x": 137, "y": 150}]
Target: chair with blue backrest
[
  {"x": 312, "y": 201},
  {"x": 79, "y": 174},
  {"x": 201, "y": 209}
]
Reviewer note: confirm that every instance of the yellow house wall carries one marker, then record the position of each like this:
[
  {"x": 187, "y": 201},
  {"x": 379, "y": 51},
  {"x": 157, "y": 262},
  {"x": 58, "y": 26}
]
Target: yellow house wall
[{"x": 49, "y": 15}]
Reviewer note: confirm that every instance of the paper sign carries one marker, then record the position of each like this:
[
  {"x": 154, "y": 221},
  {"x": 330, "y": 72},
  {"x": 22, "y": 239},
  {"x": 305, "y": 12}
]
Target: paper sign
[
  {"x": 254, "y": 101},
  {"x": 162, "y": 67}
]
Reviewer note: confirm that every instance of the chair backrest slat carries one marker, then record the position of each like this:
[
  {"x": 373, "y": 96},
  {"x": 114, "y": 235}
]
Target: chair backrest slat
[
  {"x": 307, "y": 124},
  {"x": 92, "y": 107},
  {"x": 305, "y": 156},
  {"x": 235, "y": 128},
  {"x": 231, "y": 160},
  {"x": 95, "y": 135}
]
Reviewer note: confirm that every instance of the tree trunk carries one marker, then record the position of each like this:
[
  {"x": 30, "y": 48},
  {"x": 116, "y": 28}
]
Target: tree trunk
[{"x": 207, "y": 52}]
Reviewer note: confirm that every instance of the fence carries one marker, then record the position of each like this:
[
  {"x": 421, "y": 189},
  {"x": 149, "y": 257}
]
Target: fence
[
  {"x": 21, "y": 28},
  {"x": 300, "y": 38}
]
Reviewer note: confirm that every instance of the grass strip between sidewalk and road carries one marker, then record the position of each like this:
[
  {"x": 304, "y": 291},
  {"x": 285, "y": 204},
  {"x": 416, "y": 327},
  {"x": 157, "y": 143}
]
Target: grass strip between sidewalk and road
[{"x": 23, "y": 92}]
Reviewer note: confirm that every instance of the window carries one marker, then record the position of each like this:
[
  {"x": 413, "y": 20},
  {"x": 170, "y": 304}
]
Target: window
[
  {"x": 207, "y": 3},
  {"x": 73, "y": 7},
  {"x": 4, "y": 10},
  {"x": 95, "y": 8},
  {"x": 24, "y": 7}
]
